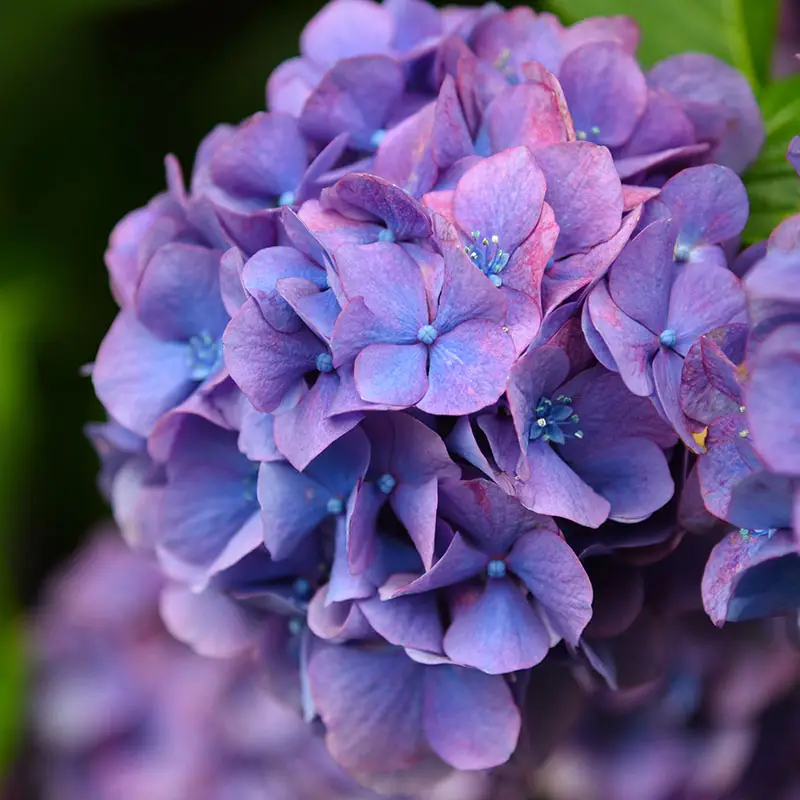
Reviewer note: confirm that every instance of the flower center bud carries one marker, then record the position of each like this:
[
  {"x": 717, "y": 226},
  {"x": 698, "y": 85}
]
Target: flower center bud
[
  {"x": 205, "y": 356},
  {"x": 286, "y": 199},
  {"x": 325, "y": 362},
  {"x": 377, "y": 137},
  {"x": 682, "y": 252},
  {"x": 387, "y": 235},
  {"x": 427, "y": 334},
  {"x": 555, "y": 420},
  {"x": 668, "y": 337},
  {"x": 496, "y": 568},
  {"x": 488, "y": 256},
  {"x": 386, "y": 483},
  {"x": 335, "y": 506},
  {"x": 302, "y": 589}
]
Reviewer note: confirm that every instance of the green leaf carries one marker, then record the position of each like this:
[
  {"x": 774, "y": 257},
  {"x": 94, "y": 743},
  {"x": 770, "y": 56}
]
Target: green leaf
[
  {"x": 740, "y": 32},
  {"x": 772, "y": 183},
  {"x": 12, "y": 682}
]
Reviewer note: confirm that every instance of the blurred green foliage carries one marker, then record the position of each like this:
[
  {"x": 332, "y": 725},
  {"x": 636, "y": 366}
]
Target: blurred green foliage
[{"x": 740, "y": 32}]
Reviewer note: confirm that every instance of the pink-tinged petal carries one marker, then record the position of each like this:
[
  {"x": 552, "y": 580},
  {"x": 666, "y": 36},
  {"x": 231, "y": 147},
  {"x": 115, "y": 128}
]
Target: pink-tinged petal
[
  {"x": 210, "y": 622},
  {"x": 440, "y": 202},
  {"x": 553, "y": 488},
  {"x": 404, "y": 156},
  {"x": 389, "y": 281},
  {"x": 340, "y": 622},
  {"x": 712, "y": 376},
  {"x": 708, "y": 204},
  {"x": 667, "y": 368},
  {"x": 371, "y": 704},
  {"x": 703, "y": 297},
  {"x": 501, "y": 195},
  {"x": 523, "y": 318},
  {"x": 528, "y": 115},
  {"x": 415, "y": 506},
  {"x": 585, "y": 192},
  {"x": 179, "y": 295},
  {"x": 451, "y": 139},
  {"x": 567, "y": 276},
  {"x": 357, "y": 327},
  {"x": 265, "y": 363},
  {"x": 497, "y": 632},
  {"x": 468, "y": 369},
  {"x": 556, "y": 578},
  {"x": 303, "y": 432},
  {"x": 536, "y": 375},
  {"x": 505, "y": 449},
  {"x": 467, "y": 294},
  {"x": 364, "y": 196},
  {"x": 773, "y": 400},
  {"x": 411, "y": 621},
  {"x": 526, "y": 267},
  {"x": 459, "y": 562},
  {"x": 347, "y": 28},
  {"x": 731, "y": 594},
  {"x": 719, "y": 101},
  {"x": 606, "y": 92},
  {"x": 462, "y": 442},
  {"x": 632, "y": 474},
  {"x": 631, "y": 345},
  {"x": 362, "y": 518},
  {"x": 392, "y": 374},
  {"x": 469, "y": 718},
  {"x": 356, "y": 96},
  {"x": 633, "y": 196},
  {"x": 139, "y": 377},
  {"x": 641, "y": 278},
  {"x": 333, "y": 230}
]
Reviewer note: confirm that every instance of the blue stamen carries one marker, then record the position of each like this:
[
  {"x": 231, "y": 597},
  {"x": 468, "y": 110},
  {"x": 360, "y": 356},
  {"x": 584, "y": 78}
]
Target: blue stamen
[
  {"x": 427, "y": 334},
  {"x": 487, "y": 256},
  {"x": 496, "y": 568},
  {"x": 377, "y": 137},
  {"x": 668, "y": 338},
  {"x": 386, "y": 483},
  {"x": 286, "y": 199},
  {"x": 387, "y": 235},
  {"x": 325, "y": 362},
  {"x": 205, "y": 356},
  {"x": 553, "y": 418},
  {"x": 335, "y": 506}
]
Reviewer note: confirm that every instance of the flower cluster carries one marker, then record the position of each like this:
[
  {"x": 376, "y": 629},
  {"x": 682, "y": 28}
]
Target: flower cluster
[
  {"x": 435, "y": 355},
  {"x": 122, "y": 710}
]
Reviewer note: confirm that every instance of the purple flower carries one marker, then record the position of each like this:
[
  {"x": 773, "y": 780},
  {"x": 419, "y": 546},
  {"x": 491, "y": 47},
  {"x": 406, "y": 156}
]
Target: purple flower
[
  {"x": 517, "y": 581},
  {"x": 648, "y": 333},
  {"x": 385, "y": 711},
  {"x": 435, "y": 341},
  {"x": 589, "y": 449}
]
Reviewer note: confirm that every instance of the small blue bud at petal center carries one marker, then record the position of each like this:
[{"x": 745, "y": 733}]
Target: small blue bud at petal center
[
  {"x": 427, "y": 334},
  {"x": 335, "y": 506},
  {"x": 496, "y": 568},
  {"x": 387, "y": 235},
  {"x": 325, "y": 362},
  {"x": 386, "y": 483},
  {"x": 286, "y": 199},
  {"x": 377, "y": 137},
  {"x": 668, "y": 337}
]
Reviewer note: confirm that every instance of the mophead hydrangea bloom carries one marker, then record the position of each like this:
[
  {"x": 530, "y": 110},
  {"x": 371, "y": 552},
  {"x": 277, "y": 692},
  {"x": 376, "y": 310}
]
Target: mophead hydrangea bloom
[{"x": 418, "y": 386}]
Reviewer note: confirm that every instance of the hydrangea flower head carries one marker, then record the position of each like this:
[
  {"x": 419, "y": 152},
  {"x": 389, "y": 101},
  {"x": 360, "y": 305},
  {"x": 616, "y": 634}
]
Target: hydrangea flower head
[{"x": 417, "y": 390}]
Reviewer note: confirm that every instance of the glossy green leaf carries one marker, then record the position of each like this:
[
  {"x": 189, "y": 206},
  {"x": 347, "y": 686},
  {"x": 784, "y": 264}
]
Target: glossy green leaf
[
  {"x": 772, "y": 183},
  {"x": 740, "y": 32}
]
